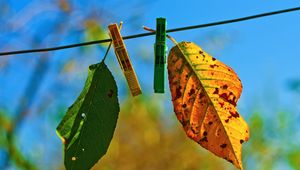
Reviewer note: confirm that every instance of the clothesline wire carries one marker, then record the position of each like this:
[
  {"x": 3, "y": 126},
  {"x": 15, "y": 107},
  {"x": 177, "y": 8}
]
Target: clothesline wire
[{"x": 152, "y": 33}]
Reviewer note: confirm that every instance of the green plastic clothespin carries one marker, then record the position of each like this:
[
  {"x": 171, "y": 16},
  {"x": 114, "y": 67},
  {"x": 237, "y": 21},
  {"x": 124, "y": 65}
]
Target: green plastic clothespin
[{"x": 160, "y": 50}]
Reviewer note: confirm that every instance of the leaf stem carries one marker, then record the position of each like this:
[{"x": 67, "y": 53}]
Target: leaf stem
[
  {"x": 108, "y": 48},
  {"x": 152, "y": 30}
]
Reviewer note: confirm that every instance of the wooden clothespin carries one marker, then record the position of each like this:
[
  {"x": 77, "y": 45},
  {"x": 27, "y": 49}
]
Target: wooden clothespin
[
  {"x": 160, "y": 50},
  {"x": 124, "y": 60}
]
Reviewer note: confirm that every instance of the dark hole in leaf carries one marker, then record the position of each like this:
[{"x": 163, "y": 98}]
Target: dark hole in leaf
[
  {"x": 192, "y": 91},
  {"x": 204, "y": 139},
  {"x": 223, "y": 145},
  {"x": 110, "y": 93},
  {"x": 216, "y": 91}
]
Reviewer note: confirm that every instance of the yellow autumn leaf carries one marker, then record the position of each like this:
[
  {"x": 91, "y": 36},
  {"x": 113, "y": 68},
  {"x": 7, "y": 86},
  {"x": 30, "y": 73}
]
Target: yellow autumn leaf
[{"x": 204, "y": 94}]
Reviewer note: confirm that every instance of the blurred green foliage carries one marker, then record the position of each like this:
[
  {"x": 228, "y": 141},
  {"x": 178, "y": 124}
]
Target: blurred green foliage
[
  {"x": 94, "y": 30},
  {"x": 143, "y": 141}
]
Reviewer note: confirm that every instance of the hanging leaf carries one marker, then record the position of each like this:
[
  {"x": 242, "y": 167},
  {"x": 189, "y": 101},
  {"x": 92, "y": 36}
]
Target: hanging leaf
[
  {"x": 88, "y": 126},
  {"x": 204, "y": 94}
]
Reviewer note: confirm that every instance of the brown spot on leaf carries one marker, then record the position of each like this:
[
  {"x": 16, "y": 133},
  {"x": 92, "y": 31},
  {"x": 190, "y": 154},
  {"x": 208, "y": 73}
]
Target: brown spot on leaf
[
  {"x": 213, "y": 59},
  {"x": 185, "y": 122},
  {"x": 178, "y": 93},
  {"x": 213, "y": 65},
  {"x": 246, "y": 139},
  {"x": 226, "y": 98},
  {"x": 221, "y": 104},
  {"x": 201, "y": 94},
  {"x": 184, "y": 105},
  {"x": 234, "y": 114},
  {"x": 110, "y": 93},
  {"x": 223, "y": 145},
  {"x": 194, "y": 131},
  {"x": 204, "y": 139},
  {"x": 225, "y": 87},
  {"x": 210, "y": 122},
  {"x": 216, "y": 91},
  {"x": 192, "y": 91},
  {"x": 227, "y": 120},
  {"x": 204, "y": 133},
  {"x": 241, "y": 141}
]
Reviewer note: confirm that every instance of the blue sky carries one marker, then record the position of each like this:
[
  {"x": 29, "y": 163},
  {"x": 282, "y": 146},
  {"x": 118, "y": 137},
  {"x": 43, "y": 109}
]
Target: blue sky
[{"x": 264, "y": 52}]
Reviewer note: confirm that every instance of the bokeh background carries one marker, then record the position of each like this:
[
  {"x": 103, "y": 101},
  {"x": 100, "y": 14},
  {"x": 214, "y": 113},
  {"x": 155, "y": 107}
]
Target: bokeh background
[{"x": 36, "y": 89}]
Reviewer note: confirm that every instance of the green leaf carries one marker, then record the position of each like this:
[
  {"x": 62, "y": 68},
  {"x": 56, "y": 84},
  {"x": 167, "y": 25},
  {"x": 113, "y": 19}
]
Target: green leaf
[{"x": 89, "y": 124}]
